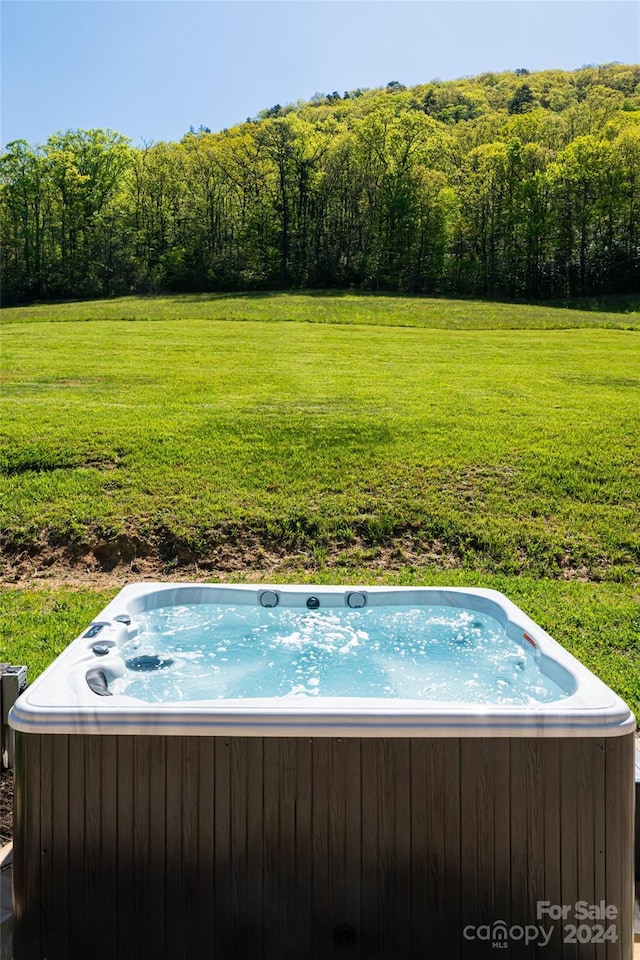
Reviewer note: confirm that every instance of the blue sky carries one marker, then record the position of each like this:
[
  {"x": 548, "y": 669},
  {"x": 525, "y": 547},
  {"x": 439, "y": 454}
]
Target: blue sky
[{"x": 151, "y": 68}]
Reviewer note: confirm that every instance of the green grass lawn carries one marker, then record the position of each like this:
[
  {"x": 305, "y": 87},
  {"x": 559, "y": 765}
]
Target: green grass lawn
[
  {"x": 345, "y": 308},
  {"x": 355, "y": 438}
]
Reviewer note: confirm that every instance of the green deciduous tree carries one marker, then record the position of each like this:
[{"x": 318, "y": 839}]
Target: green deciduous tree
[{"x": 505, "y": 184}]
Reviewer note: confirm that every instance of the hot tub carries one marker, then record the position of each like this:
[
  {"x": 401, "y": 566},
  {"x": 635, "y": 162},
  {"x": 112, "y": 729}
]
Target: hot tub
[{"x": 250, "y": 771}]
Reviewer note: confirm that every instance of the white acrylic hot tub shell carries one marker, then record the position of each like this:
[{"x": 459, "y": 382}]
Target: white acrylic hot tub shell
[{"x": 60, "y": 701}]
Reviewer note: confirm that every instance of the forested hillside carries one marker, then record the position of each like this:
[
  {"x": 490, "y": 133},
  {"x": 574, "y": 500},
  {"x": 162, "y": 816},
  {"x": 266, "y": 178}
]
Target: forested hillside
[{"x": 510, "y": 184}]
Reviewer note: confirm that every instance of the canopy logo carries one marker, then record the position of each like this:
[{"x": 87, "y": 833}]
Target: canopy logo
[{"x": 499, "y": 934}]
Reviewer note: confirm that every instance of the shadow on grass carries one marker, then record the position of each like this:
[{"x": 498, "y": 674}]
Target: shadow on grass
[
  {"x": 609, "y": 303},
  {"x": 620, "y": 304}
]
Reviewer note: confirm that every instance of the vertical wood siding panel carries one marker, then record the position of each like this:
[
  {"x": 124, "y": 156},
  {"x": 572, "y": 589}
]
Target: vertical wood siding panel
[
  {"x": 241, "y": 911},
  {"x": 477, "y": 800},
  {"x": 140, "y": 849},
  {"x": 106, "y": 749},
  {"x": 619, "y": 774},
  {"x": 348, "y": 904},
  {"x": 427, "y": 867},
  {"x": 190, "y": 853},
  {"x": 385, "y": 887},
  {"x": 301, "y": 921},
  {"x": 223, "y": 931},
  {"x": 204, "y": 904},
  {"x": 62, "y": 914},
  {"x": 471, "y": 822},
  {"x": 334, "y": 851},
  {"x": 625, "y": 766},
  {"x": 26, "y": 853},
  {"x": 98, "y": 922},
  {"x": 253, "y": 942},
  {"x": 93, "y": 826},
  {"x": 286, "y": 831},
  {"x": 374, "y": 913},
  {"x": 435, "y": 838},
  {"x": 551, "y": 789},
  {"x": 175, "y": 907},
  {"x": 80, "y": 936},
  {"x": 568, "y": 831},
  {"x": 527, "y": 883},
  {"x": 450, "y": 768},
  {"x": 341, "y": 859},
  {"x": 587, "y": 786},
  {"x": 386, "y": 853},
  {"x": 521, "y": 801},
  {"x": 279, "y": 867},
  {"x": 336, "y": 855},
  {"x": 481, "y": 758},
  {"x": 238, "y": 823},
  {"x": 47, "y": 903},
  {"x": 271, "y": 848},
  {"x": 502, "y": 816},
  {"x": 613, "y": 819},
  {"x": 156, "y": 909},
  {"x": 53, "y": 852},
  {"x": 599, "y": 800},
  {"x": 321, "y": 890},
  {"x": 125, "y": 914},
  {"x": 336, "y": 799},
  {"x": 400, "y": 879}
]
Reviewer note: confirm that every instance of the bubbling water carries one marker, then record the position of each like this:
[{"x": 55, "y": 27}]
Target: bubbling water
[{"x": 224, "y": 652}]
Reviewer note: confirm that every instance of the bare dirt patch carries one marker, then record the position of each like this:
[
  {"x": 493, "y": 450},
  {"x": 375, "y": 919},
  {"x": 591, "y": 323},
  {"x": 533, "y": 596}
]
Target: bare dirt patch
[
  {"x": 245, "y": 553},
  {"x": 127, "y": 558}
]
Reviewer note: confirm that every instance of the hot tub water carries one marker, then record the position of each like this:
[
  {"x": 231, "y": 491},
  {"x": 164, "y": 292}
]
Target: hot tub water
[{"x": 430, "y": 653}]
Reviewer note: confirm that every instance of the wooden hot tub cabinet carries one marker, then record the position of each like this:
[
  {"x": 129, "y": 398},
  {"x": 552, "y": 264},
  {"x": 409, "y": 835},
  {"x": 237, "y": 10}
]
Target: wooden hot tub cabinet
[{"x": 288, "y": 848}]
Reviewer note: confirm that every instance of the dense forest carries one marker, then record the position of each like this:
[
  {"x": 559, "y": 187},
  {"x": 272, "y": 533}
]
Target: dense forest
[{"x": 507, "y": 185}]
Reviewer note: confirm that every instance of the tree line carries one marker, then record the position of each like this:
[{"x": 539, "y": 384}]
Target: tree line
[{"x": 514, "y": 184}]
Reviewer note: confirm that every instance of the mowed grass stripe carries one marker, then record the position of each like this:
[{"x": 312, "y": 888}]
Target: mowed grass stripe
[
  {"x": 506, "y": 451},
  {"x": 341, "y": 308}
]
